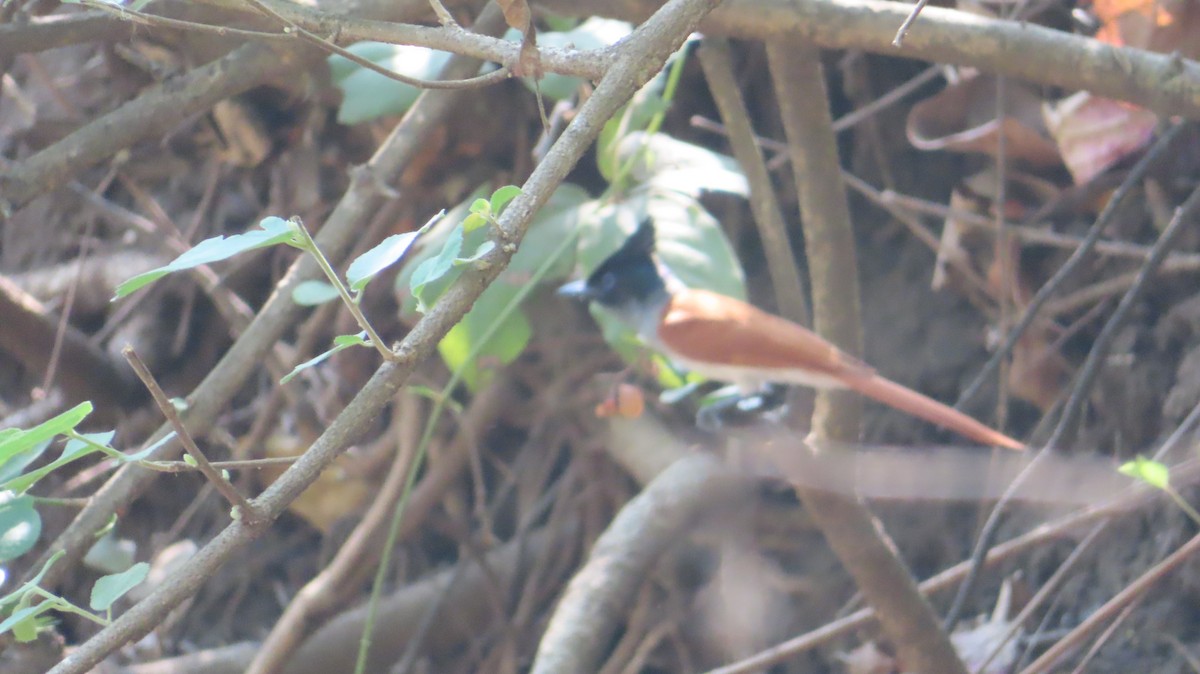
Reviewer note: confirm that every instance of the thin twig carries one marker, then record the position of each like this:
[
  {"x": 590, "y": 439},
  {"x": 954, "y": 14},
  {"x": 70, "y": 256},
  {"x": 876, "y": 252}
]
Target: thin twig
[
  {"x": 246, "y": 512},
  {"x": 1072, "y": 263},
  {"x": 291, "y": 27},
  {"x": 1083, "y": 384},
  {"x": 902, "y": 32}
]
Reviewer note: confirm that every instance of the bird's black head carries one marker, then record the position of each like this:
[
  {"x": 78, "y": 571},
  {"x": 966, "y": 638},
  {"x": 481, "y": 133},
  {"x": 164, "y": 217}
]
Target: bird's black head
[{"x": 628, "y": 276}]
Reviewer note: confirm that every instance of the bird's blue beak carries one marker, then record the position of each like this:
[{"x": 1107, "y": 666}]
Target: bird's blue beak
[{"x": 576, "y": 290}]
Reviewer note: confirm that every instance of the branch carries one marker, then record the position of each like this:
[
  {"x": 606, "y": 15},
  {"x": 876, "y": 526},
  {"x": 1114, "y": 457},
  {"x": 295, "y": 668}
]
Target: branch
[
  {"x": 864, "y": 549},
  {"x": 642, "y": 55},
  {"x": 1164, "y": 83},
  {"x": 340, "y": 231}
]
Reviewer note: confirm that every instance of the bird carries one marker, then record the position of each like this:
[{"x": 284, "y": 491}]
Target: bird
[{"x": 725, "y": 339}]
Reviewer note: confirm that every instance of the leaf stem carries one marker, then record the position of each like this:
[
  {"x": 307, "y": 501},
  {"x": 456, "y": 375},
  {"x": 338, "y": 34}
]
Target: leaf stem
[{"x": 310, "y": 246}]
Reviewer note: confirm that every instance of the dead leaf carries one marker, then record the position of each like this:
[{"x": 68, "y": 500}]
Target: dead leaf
[
  {"x": 1094, "y": 133},
  {"x": 962, "y": 118}
]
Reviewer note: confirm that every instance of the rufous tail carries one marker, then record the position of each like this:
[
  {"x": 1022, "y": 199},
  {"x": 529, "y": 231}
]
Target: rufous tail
[{"x": 907, "y": 400}]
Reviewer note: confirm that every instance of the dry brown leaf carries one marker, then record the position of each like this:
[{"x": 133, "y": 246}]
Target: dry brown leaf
[{"x": 962, "y": 118}]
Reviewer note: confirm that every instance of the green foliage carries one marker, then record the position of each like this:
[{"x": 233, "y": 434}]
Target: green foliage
[
  {"x": 272, "y": 231},
  {"x": 389, "y": 251},
  {"x": 20, "y": 525},
  {"x": 340, "y": 343},
  {"x": 20, "y": 522},
  {"x": 313, "y": 293},
  {"x": 366, "y": 94},
  {"x": 1158, "y": 475},
  {"x": 109, "y": 589},
  {"x": 431, "y": 271},
  {"x": 1153, "y": 473}
]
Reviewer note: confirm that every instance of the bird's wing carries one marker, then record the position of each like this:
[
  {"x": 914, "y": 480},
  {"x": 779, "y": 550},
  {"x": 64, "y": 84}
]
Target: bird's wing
[{"x": 706, "y": 327}]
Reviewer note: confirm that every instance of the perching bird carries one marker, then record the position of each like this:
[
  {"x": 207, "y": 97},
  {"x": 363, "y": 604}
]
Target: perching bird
[{"x": 726, "y": 339}]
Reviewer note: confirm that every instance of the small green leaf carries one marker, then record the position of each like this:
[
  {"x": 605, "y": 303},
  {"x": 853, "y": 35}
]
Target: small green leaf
[
  {"x": 483, "y": 249},
  {"x": 341, "y": 342},
  {"x": 388, "y": 252},
  {"x": 108, "y": 589},
  {"x": 481, "y": 207},
  {"x": 23, "y": 622},
  {"x": 1153, "y": 473},
  {"x": 312, "y": 293},
  {"x": 502, "y": 196},
  {"x": 272, "y": 231},
  {"x": 20, "y": 525},
  {"x": 473, "y": 222},
  {"x": 435, "y": 268},
  {"x": 352, "y": 340},
  {"x": 190, "y": 460}
]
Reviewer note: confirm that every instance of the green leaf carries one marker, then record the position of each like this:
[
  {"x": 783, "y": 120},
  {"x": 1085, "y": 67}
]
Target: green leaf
[
  {"x": 434, "y": 269},
  {"x": 473, "y": 222},
  {"x": 15, "y": 465},
  {"x": 665, "y": 162},
  {"x": 341, "y": 343},
  {"x": 559, "y": 219},
  {"x": 388, "y": 252},
  {"x": 502, "y": 196},
  {"x": 272, "y": 231},
  {"x": 481, "y": 207},
  {"x": 312, "y": 293},
  {"x": 483, "y": 249},
  {"x": 20, "y": 525},
  {"x": 1153, "y": 473},
  {"x": 108, "y": 589},
  {"x": 368, "y": 95},
  {"x": 89, "y": 441},
  {"x": 23, "y": 622},
  {"x": 505, "y": 345},
  {"x": 635, "y": 116},
  {"x": 14, "y": 443}
]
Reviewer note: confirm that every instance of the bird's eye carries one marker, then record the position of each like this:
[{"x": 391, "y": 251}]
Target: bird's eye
[{"x": 608, "y": 283}]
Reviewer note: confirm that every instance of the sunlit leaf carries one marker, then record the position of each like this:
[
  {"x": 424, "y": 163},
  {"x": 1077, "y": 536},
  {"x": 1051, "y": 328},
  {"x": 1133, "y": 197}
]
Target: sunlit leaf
[
  {"x": 272, "y": 231},
  {"x": 1153, "y": 473}
]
